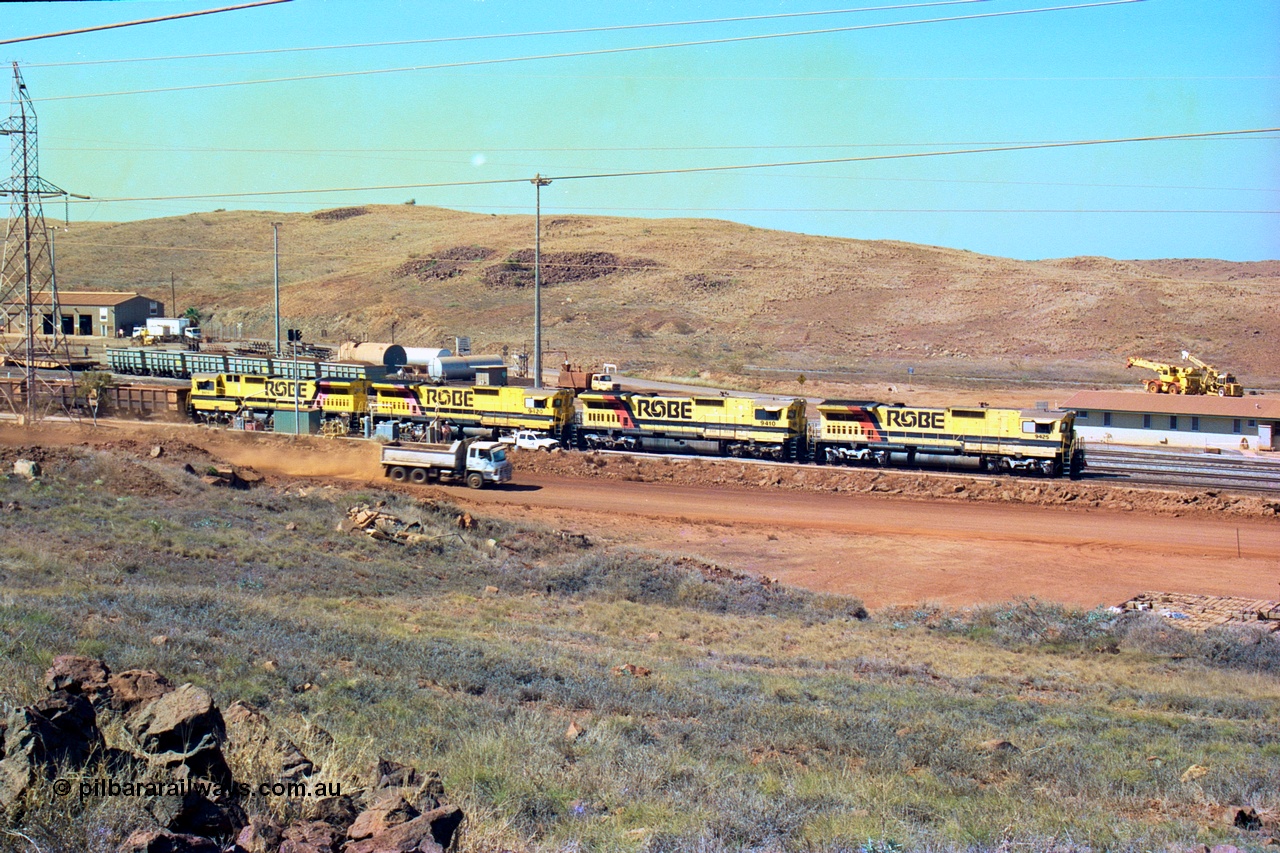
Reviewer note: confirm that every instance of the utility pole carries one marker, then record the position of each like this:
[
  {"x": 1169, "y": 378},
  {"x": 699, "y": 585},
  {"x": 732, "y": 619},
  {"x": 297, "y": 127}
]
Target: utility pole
[
  {"x": 275, "y": 254},
  {"x": 538, "y": 183},
  {"x": 173, "y": 297}
]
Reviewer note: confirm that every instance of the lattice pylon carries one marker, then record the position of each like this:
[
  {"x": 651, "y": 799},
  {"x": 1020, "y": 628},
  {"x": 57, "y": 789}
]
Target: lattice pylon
[{"x": 32, "y": 322}]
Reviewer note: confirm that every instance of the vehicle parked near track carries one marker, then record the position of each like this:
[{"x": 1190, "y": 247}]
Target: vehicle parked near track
[
  {"x": 526, "y": 439},
  {"x": 471, "y": 461}
]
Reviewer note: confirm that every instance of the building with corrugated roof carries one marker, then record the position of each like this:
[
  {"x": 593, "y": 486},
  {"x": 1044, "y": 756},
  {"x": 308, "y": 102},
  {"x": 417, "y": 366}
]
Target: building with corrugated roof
[
  {"x": 1174, "y": 420},
  {"x": 107, "y": 314}
]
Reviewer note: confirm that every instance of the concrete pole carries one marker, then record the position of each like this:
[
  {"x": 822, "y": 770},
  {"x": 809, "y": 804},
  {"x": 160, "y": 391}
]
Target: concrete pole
[
  {"x": 275, "y": 254},
  {"x": 538, "y": 183}
]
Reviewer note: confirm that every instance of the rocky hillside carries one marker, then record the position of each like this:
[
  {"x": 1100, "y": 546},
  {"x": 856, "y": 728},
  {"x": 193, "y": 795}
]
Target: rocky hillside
[{"x": 681, "y": 296}]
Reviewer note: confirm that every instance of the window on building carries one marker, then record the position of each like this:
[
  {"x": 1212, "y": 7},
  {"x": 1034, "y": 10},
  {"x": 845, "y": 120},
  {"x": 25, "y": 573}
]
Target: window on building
[
  {"x": 1173, "y": 421},
  {"x": 155, "y": 309},
  {"x": 1252, "y": 423},
  {"x": 1146, "y": 421},
  {"x": 1106, "y": 419},
  {"x": 1195, "y": 424},
  {"x": 1235, "y": 426},
  {"x": 1084, "y": 416},
  {"x": 85, "y": 322}
]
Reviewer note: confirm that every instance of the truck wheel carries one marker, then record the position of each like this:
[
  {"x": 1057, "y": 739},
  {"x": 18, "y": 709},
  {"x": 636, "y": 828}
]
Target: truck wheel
[
  {"x": 418, "y": 475},
  {"x": 398, "y": 474},
  {"x": 475, "y": 480}
]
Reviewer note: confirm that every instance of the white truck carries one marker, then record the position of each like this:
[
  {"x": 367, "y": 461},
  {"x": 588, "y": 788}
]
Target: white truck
[
  {"x": 527, "y": 439},
  {"x": 474, "y": 462},
  {"x": 166, "y": 329}
]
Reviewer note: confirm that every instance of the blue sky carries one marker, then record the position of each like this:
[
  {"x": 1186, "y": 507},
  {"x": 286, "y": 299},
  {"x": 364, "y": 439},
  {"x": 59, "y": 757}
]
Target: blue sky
[{"x": 1157, "y": 67}]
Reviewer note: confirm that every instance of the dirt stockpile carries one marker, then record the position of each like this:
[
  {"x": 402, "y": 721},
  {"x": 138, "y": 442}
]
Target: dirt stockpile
[
  {"x": 696, "y": 471},
  {"x": 444, "y": 265},
  {"x": 559, "y": 267}
]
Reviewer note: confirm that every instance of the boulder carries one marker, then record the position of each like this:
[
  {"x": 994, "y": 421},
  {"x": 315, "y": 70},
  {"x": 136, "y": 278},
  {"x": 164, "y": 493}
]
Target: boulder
[
  {"x": 163, "y": 841},
  {"x": 389, "y": 809},
  {"x": 340, "y": 811},
  {"x": 133, "y": 689},
  {"x": 77, "y": 674},
  {"x": 393, "y": 774},
  {"x": 260, "y": 835},
  {"x": 248, "y": 726},
  {"x": 194, "y": 814},
  {"x": 27, "y": 468},
  {"x": 59, "y": 731},
  {"x": 314, "y": 836},
  {"x": 184, "y": 728},
  {"x": 428, "y": 833}
]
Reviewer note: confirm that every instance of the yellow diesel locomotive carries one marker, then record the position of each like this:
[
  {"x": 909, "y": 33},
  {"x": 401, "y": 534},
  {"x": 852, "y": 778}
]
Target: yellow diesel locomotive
[
  {"x": 491, "y": 409},
  {"x": 720, "y": 425},
  {"x": 219, "y": 397},
  {"x": 1002, "y": 440}
]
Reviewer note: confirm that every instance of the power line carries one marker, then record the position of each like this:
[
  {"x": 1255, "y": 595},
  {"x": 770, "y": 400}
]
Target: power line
[
  {"x": 567, "y": 149},
  {"x": 704, "y": 169},
  {"x": 115, "y": 26},
  {"x": 582, "y": 53},
  {"x": 491, "y": 36}
]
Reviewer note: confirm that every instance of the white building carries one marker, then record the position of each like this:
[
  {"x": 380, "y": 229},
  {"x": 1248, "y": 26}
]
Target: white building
[{"x": 1174, "y": 420}]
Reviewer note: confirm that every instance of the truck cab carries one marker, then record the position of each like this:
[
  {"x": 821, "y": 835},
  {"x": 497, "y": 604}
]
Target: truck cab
[{"x": 489, "y": 460}]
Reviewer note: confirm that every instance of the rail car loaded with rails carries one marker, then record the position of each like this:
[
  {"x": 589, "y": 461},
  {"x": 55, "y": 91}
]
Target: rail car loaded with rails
[
  {"x": 721, "y": 426},
  {"x": 1002, "y": 440}
]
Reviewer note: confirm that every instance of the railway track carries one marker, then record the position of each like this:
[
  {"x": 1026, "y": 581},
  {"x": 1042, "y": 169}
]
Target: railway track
[{"x": 1165, "y": 468}]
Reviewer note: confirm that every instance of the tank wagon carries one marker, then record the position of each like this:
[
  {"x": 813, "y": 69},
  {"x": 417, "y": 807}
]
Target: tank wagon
[
  {"x": 1039, "y": 440},
  {"x": 721, "y": 426}
]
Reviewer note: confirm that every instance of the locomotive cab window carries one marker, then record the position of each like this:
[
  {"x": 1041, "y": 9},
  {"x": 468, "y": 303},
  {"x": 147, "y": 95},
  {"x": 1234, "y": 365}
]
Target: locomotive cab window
[
  {"x": 1037, "y": 428},
  {"x": 534, "y": 403},
  {"x": 767, "y": 414}
]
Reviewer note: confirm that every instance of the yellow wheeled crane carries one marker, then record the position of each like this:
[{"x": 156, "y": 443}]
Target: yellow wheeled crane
[
  {"x": 1213, "y": 381},
  {"x": 1176, "y": 379},
  {"x": 1170, "y": 378}
]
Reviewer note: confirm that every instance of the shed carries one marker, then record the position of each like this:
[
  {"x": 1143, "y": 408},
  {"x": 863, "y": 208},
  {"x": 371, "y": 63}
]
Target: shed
[
  {"x": 1195, "y": 422},
  {"x": 107, "y": 314}
]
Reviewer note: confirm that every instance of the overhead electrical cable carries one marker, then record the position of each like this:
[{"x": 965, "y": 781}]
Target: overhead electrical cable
[
  {"x": 705, "y": 169},
  {"x": 116, "y": 26},
  {"x": 580, "y": 53},
  {"x": 491, "y": 36}
]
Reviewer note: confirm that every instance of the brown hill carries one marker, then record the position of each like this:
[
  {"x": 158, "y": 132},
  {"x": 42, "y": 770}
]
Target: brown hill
[{"x": 681, "y": 296}]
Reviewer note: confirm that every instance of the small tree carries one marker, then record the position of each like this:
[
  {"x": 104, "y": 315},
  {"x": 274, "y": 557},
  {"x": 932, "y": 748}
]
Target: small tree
[
  {"x": 92, "y": 388},
  {"x": 192, "y": 314}
]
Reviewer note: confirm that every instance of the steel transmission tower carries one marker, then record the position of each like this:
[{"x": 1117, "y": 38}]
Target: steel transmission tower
[{"x": 32, "y": 332}]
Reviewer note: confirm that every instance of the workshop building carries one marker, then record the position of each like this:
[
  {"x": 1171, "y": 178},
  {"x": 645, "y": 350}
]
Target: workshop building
[
  {"x": 106, "y": 314},
  {"x": 1194, "y": 422}
]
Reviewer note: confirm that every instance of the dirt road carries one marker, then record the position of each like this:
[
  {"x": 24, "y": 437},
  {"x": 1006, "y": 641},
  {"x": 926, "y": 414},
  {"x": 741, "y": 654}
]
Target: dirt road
[
  {"x": 886, "y": 549},
  {"x": 894, "y": 551}
]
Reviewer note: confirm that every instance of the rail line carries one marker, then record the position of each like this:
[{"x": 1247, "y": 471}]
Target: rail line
[{"x": 1154, "y": 467}]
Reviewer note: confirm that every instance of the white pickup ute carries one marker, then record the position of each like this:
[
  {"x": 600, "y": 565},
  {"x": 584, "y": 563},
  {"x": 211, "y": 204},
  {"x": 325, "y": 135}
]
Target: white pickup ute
[{"x": 526, "y": 439}]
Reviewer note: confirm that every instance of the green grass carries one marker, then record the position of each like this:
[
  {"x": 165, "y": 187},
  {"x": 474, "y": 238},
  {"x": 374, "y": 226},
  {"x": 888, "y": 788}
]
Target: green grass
[{"x": 772, "y": 719}]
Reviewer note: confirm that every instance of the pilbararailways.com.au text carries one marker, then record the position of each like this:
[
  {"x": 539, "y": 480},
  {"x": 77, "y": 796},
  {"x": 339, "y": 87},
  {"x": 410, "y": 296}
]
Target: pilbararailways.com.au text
[{"x": 95, "y": 788}]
